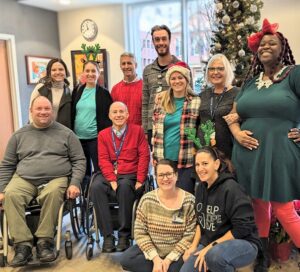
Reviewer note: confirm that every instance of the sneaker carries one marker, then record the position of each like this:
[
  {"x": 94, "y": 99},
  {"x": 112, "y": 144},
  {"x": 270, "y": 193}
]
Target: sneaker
[
  {"x": 109, "y": 244},
  {"x": 23, "y": 254},
  {"x": 45, "y": 251},
  {"x": 123, "y": 244}
]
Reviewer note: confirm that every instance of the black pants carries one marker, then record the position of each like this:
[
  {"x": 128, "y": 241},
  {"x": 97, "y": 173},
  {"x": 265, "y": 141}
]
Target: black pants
[
  {"x": 133, "y": 259},
  {"x": 102, "y": 194},
  {"x": 90, "y": 149}
]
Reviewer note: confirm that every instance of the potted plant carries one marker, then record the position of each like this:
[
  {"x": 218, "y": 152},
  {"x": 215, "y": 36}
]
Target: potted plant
[{"x": 280, "y": 242}]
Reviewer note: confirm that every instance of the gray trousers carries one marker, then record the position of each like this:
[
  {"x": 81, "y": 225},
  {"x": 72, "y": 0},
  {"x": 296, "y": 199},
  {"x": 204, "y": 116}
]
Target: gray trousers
[{"x": 18, "y": 194}]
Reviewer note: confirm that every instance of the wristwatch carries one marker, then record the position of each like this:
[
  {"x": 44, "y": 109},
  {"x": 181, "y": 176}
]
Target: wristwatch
[{"x": 214, "y": 243}]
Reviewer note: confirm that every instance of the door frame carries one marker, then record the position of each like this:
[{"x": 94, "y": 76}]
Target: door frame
[{"x": 13, "y": 78}]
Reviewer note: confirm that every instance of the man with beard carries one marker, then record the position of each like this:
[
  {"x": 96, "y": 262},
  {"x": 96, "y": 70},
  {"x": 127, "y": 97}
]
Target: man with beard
[
  {"x": 129, "y": 89},
  {"x": 154, "y": 75}
]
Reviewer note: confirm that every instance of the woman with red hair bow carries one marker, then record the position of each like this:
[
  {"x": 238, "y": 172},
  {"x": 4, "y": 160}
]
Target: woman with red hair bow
[{"x": 266, "y": 154}]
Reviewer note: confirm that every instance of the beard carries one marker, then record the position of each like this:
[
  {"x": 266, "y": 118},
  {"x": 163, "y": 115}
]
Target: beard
[{"x": 163, "y": 53}]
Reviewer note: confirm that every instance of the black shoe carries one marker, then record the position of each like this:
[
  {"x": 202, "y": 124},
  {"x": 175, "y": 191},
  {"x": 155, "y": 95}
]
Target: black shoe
[
  {"x": 45, "y": 251},
  {"x": 109, "y": 244},
  {"x": 123, "y": 244},
  {"x": 22, "y": 255},
  {"x": 263, "y": 260}
]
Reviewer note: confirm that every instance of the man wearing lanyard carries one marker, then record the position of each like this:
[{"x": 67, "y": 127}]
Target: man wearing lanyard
[{"x": 123, "y": 160}]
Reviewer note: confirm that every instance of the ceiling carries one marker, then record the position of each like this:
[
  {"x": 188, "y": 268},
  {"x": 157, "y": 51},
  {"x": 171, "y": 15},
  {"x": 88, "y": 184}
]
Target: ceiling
[{"x": 58, "y": 5}]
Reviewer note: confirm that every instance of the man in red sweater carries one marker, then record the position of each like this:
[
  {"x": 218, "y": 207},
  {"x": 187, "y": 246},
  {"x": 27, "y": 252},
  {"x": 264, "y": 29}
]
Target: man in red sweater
[
  {"x": 123, "y": 154},
  {"x": 129, "y": 89}
]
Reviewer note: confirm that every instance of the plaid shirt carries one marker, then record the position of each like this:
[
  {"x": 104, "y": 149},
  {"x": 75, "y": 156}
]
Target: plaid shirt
[
  {"x": 154, "y": 81},
  {"x": 189, "y": 119}
]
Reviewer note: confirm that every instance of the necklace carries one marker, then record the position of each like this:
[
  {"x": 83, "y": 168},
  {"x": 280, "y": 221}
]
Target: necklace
[{"x": 267, "y": 83}]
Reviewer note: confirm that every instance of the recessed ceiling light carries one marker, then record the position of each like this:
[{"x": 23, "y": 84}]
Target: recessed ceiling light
[{"x": 65, "y": 2}]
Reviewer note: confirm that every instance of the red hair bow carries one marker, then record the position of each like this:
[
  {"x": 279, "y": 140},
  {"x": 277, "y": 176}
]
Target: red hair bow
[{"x": 254, "y": 39}]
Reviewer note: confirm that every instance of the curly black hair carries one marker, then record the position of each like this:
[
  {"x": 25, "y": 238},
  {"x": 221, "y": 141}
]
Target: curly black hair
[{"x": 286, "y": 58}]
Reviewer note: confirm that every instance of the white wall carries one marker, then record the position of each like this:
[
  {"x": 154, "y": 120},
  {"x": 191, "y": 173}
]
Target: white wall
[
  {"x": 287, "y": 14},
  {"x": 109, "y": 19}
]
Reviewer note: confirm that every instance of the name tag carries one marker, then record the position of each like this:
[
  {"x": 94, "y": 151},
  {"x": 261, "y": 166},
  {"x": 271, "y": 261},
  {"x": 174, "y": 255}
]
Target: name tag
[{"x": 177, "y": 220}]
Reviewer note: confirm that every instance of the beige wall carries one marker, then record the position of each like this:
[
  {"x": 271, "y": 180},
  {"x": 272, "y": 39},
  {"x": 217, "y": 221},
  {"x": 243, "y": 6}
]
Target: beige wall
[
  {"x": 287, "y": 14},
  {"x": 109, "y": 19}
]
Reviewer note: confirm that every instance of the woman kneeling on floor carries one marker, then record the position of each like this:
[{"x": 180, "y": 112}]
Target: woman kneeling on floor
[
  {"x": 226, "y": 236},
  {"x": 164, "y": 227}
]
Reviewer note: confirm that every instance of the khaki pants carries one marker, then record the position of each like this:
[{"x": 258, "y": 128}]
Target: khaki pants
[{"x": 18, "y": 194}]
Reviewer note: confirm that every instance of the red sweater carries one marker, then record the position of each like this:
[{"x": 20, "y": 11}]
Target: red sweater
[
  {"x": 134, "y": 156},
  {"x": 131, "y": 95}
]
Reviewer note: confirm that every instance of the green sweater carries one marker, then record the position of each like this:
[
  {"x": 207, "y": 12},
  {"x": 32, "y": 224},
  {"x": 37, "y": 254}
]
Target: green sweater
[
  {"x": 162, "y": 231},
  {"x": 39, "y": 155}
]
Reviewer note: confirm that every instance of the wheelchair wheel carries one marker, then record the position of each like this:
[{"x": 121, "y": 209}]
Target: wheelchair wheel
[
  {"x": 89, "y": 250},
  {"x": 69, "y": 249}
]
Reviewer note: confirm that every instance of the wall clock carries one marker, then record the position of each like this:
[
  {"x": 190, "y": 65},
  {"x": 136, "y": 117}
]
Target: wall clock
[{"x": 89, "y": 29}]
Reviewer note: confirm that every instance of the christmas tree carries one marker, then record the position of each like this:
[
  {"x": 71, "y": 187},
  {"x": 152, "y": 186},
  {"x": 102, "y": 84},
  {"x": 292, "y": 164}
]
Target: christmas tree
[{"x": 235, "y": 21}]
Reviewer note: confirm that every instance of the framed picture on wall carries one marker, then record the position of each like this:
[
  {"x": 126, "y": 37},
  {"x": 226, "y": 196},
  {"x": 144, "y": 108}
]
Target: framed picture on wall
[
  {"x": 36, "y": 68},
  {"x": 78, "y": 59}
]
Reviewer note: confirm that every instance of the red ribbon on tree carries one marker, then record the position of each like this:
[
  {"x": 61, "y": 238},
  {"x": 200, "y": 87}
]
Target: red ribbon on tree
[{"x": 254, "y": 39}]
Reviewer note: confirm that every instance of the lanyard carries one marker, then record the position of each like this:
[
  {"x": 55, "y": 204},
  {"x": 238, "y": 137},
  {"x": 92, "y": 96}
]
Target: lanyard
[
  {"x": 118, "y": 151},
  {"x": 212, "y": 107}
]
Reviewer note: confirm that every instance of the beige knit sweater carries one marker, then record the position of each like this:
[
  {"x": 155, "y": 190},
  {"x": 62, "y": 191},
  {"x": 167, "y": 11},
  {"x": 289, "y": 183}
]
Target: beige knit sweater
[{"x": 163, "y": 231}]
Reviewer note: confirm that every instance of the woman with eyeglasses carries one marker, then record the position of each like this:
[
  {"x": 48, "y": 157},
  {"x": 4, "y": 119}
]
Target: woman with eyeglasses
[
  {"x": 226, "y": 236},
  {"x": 174, "y": 112},
  {"x": 216, "y": 101},
  {"x": 55, "y": 87},
  {"x": 164, "y": 227}
]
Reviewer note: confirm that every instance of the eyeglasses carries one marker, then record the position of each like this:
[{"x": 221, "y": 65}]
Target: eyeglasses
[
  {"x": 168, "y": 175},
  {"x": 216, "y": 69}
]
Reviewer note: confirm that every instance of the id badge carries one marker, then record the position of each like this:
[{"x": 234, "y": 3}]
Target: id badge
[
  {"x": 116, "y": 168},
  {"x": 177, "y": 220}
]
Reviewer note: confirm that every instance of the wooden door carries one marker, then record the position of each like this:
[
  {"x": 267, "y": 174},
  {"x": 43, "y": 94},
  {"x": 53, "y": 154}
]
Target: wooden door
[{"x": 6, "y": 112}]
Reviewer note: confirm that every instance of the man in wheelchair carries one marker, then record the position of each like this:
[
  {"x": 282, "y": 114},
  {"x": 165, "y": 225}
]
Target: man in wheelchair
[
  {"x": 123, "y": 160},
  {"x": 43, "y": 160}
]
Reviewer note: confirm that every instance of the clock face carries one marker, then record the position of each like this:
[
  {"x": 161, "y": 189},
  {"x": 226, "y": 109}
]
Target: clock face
[{"x": 89, "y": 29}]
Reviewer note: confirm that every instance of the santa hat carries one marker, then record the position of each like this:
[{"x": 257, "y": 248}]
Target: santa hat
[{"x": 180, "y": 67}]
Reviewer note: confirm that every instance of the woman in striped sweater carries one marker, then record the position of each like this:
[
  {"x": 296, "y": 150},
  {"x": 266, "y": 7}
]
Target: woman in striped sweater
[{"x": 164, "y": 226}]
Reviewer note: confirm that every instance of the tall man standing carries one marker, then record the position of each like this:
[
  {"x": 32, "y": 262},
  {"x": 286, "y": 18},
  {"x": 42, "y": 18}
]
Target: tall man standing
[
  {"x": 154, "y": 74},
  {"x": 129, "y": 89}
]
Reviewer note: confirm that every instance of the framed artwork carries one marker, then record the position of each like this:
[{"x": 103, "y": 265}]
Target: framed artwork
[
  {"x": 78, "y": 58},
  {"x": 36, "y": 68}
]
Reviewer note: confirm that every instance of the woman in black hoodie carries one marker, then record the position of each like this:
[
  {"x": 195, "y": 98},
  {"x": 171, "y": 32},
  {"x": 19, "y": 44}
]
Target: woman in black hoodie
[{"x": 226, "y": 236}]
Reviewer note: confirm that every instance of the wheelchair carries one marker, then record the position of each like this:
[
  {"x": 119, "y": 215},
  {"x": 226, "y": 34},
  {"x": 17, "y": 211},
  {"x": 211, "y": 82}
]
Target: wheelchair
[
  {"x": 32, "y": 213},
  {"x": 91, "y": 226}
]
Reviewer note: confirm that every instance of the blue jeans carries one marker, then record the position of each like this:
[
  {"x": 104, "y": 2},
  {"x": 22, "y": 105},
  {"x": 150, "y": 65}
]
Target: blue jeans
[{"x": 225, "y": 257}]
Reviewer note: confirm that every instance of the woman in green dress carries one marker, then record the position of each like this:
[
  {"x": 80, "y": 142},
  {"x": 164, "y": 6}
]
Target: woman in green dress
[{"x": 266, "y": 155}]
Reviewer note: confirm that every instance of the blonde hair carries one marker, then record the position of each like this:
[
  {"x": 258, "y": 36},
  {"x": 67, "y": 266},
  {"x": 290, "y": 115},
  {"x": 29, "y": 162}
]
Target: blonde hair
[
  {"x": 167, "y": 99},
  {"x": 229, "y": 75}
]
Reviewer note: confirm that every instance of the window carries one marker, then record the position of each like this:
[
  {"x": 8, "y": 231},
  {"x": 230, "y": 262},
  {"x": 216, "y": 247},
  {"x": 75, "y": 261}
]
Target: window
[
  {"x": 142, "y": 17},
  {"x": 190, "y": 22}
]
